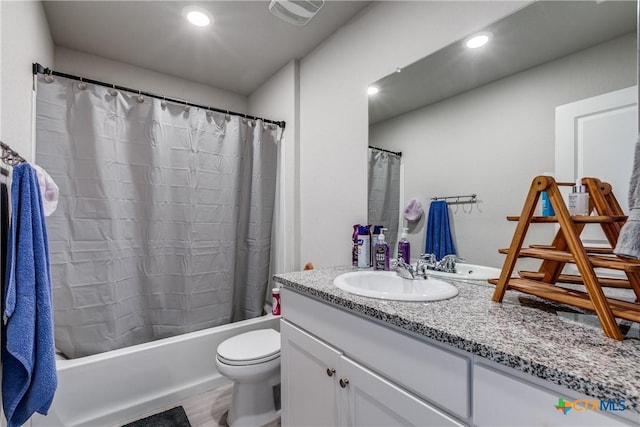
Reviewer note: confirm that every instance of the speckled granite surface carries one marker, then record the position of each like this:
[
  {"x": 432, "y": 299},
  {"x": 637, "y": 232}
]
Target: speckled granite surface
[{"x": 558, "y": 343}]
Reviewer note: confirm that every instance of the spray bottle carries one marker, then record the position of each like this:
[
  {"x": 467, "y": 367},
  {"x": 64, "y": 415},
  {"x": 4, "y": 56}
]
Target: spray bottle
[
  {"x": 364, "y": 247},
  {"x": 354, "y": 246}
]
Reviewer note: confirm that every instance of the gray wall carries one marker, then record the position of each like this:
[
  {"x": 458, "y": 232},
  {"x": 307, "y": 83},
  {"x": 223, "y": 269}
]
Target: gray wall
[
  {"x": 334, "y": 114},
  {"x": 493, "y": 140},
  {"x": 25, "y": 39}
]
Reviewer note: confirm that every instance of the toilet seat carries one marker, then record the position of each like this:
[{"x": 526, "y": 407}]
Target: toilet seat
[{"x": 250, "y": 348}]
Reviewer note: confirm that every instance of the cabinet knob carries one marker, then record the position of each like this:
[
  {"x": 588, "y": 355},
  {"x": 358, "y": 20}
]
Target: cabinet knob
[
  {"x": 343, "y": 382},
  {"x": 331, "y": 371}
]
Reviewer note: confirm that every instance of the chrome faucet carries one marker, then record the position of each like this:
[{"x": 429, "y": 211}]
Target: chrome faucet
[
  {"x": 427, "y": 261},
  {"x": 405, "y": 270},
  {"x": 447, "y": 264}
]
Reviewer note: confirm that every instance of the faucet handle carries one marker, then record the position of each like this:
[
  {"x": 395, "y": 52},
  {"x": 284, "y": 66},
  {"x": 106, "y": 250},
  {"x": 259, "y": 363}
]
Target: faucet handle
[{"x": 428, "y": 257}]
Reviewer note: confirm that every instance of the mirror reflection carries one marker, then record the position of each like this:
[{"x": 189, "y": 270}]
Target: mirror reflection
[{"x": 485, "y": 121}]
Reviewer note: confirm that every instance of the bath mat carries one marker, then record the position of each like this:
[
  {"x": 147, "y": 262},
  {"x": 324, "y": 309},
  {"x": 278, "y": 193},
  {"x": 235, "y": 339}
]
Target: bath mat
[{"x": 174, "y": 417}]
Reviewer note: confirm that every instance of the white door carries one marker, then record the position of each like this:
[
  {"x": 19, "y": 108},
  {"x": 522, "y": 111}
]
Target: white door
[
  {"x": 374, "y": 401},
  {"x": 309, "y": 370},
  {"x": 595, "y": 137}
]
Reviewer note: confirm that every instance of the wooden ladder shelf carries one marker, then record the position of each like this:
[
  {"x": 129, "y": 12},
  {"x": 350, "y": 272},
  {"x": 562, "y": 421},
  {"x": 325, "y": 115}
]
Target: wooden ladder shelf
[{"x": 567, "y": 248}]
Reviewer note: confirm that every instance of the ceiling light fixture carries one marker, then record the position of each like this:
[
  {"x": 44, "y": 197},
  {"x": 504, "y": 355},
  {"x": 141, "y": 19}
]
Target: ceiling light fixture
[
  {"x": 478, "y": 40},
  {"x": 197, "y": 16},
  {"x": 372, "y": 90}
]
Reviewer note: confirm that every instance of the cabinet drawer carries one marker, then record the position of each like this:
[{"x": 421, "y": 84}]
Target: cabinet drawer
[{"x": 432, "y": 373}]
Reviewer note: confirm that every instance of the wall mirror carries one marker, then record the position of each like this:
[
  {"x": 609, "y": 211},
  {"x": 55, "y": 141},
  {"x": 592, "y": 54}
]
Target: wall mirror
[{"x": 483, "y": 121}]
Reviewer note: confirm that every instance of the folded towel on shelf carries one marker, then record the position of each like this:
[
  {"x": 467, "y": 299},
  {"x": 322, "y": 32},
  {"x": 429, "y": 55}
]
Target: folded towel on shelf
[
  {"x": 629, "y": 239},
  {"x": 29, "y": 377},
  {"x": 439, "y": 241}
]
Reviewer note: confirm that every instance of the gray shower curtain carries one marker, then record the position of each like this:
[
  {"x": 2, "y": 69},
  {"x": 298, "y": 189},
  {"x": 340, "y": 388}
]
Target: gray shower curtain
[
  {"x": 384, "y": 193},
  {"x": 164, "y": 220}
]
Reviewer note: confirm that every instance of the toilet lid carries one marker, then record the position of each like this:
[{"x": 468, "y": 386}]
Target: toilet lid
[{"x": 250, "y": 347}]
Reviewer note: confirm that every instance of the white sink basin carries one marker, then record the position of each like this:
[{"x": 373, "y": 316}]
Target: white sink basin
[
  {"x": 388, "y": 285},
  {"x": 468, "y": 272}
]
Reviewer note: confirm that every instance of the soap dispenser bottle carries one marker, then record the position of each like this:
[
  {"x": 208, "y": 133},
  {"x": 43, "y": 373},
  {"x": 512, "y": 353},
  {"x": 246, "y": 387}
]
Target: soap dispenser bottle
[
  {"x": 404, "y": 248},
  {"x": 381, "y": 253}
]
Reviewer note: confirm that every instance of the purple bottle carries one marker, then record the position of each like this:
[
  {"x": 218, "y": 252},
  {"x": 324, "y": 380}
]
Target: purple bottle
[
  {"x": 375, "y": 232},
  {"x": 404, "y": 248},
  {"x": 354, "y": 248}
]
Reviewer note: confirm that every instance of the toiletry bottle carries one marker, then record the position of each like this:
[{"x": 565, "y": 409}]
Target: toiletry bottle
[
  {"x": 381, "y": 253},
  {"x": 404, "y": 248},
  {"x": 375, "y": 232},
  {"x": 364, "y": 247},
  {"x": 579, "y": 200},
  {"x": 547, "y": 209},
  {"x": 275, "y": 305},
  {"x": 582, "y": 204},
  {"x": 354, "y": 246}
]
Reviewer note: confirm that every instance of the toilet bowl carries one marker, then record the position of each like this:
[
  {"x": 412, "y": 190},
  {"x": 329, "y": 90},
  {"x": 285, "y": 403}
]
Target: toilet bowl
[{"x": 252, "y": 361}]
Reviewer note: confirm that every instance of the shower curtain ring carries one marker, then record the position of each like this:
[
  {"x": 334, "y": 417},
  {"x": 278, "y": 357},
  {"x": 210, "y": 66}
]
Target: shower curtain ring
[
  {"x": 186, "y": 107},
  {"x": 113, "y": 92},
  {"x": 163, "y": 103},
  {"x": 82, "y": 85},
  {"x": 227, "y": 116},
  {"x": 48, "y": 77}
]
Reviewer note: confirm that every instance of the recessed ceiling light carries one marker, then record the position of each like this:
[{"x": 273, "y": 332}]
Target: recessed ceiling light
[
  {"x": 197, "y": 16},
  {"x": 372, "y": 90},
  {"x": 478, "y": 40}
]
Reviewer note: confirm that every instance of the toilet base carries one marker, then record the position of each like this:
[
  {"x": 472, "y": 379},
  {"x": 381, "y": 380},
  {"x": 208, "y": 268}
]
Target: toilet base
[{"x": 252, "y": 404}]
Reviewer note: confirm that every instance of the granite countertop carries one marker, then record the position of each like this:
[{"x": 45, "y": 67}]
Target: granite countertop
[{"x": 557, "y": 343}]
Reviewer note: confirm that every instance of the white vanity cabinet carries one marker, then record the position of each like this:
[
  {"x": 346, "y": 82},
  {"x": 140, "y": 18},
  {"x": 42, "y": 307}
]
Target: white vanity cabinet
[
  {"x": 340, "y": 369},
  {"x": 323, "y": 387}
]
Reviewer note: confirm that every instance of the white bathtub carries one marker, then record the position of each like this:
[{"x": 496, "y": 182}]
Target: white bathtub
[{"x": 105, "y": 389}]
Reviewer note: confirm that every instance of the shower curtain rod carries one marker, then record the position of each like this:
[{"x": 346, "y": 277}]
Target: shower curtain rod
[
  {"x": 39, "y": 69},
  {"x": 397, "y": 153}
]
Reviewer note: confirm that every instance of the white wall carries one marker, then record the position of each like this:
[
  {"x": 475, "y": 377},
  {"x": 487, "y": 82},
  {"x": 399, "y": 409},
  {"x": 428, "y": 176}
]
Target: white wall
[
  {"x": 103, "y": 69},
  {"x": 493, "y": 140},
  {"x": 334, "y": 112},
  {"x": 277, "y": 99},
  {"x": 25, "y": 39}
]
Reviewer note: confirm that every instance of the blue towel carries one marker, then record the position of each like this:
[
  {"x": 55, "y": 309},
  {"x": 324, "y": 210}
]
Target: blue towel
[
  {"x": 29, "y": 369},
  {"x": 439, "y": 241}
]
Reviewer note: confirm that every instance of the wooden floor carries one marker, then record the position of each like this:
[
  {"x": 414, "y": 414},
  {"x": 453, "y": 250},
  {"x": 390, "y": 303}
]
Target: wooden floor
[{"x": 207, "y": 409}]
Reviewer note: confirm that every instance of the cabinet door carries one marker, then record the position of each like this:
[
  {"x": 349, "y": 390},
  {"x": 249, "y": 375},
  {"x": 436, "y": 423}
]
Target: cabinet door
[
  {"x": 309, "y": 385},
  {"x": 502, "y": 400},
  {"x": 374, "y": 401}
]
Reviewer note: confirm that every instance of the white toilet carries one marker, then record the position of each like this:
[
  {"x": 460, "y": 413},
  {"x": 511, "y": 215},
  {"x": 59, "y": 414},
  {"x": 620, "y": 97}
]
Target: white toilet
[{"x": 252, "y": 361}]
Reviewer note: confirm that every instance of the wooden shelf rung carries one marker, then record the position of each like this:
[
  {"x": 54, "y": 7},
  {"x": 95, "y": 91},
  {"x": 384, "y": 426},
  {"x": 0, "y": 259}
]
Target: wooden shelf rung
[
  {"x": 583, "y": 219},
  {"x": 589, "y": 249},
  {"x": 621, "y": 309},
  {"x": 599, "y": 261},
  {"x": 609, "y": 282}
]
